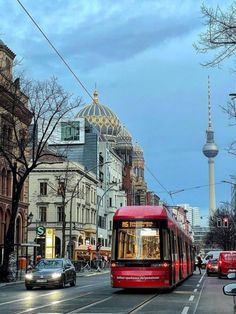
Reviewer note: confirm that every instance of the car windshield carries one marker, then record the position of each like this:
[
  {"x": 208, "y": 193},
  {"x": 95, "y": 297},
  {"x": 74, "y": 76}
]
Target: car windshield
[{"x": 47, "y": 264}]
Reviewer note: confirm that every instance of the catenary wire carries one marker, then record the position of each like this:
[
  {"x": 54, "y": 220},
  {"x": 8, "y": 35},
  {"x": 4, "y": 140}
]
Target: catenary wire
[
  {"x": 54, "y": 48},
  {"x": 170, "y": 193}
]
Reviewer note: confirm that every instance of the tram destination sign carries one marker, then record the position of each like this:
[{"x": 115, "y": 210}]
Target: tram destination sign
[{"x": 137, "y": 224}]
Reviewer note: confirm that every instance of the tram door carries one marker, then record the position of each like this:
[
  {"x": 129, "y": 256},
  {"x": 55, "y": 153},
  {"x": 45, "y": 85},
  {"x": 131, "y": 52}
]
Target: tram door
[{"x": 173, "y": 259}]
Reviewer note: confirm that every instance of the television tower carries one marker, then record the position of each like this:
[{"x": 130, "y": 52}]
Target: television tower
[{"x": 210, "y": 150}]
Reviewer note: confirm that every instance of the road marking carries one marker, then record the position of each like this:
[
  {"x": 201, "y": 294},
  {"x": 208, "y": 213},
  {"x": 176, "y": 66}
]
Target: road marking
[
  {"x": 49, "y": 304},
  {"x": 27, "y": 298},
  {"x": 89, "y": 305},
  {"x": 195, "y": 290},
  {"x": 185, "y": 310},
  {"x": 199, "y": 296},
  {"x": 201, "y": 278},
  {"x": 191, "y": 298},
  {"x": 198, "y": 285}
]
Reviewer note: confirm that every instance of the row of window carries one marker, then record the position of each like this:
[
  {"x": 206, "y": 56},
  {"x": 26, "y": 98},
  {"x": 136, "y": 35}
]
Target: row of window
[
  {"x": 89, "y": 194},
  {"x": 83, "y": 215},
  {"x": 6, "y": 183}
]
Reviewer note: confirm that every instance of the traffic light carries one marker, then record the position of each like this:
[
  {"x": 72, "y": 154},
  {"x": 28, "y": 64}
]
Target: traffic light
[
  {"x": 219, "y": 222},
  {"x": 225, "y": 222}
]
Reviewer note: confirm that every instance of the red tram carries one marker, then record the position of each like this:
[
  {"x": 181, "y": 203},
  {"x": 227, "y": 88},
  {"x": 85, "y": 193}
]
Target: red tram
[{"x": 149, "y": 249}]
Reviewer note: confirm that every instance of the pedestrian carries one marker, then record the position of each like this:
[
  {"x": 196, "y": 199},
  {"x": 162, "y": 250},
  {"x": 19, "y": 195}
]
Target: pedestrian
[{"x": 199, "y": 264}]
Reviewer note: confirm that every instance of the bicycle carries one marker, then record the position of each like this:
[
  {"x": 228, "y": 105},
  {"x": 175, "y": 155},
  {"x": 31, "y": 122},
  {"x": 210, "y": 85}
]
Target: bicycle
[{"x": 86, "y": 267}]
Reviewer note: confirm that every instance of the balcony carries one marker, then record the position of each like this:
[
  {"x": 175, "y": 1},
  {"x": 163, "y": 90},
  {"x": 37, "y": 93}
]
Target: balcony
[{"x": 88, "y": 227}]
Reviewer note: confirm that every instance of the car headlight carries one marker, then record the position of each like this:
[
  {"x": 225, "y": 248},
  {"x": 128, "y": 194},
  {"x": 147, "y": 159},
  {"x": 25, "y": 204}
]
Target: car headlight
[
  {"x": 56, "y": 275},
  {"x": 29, "y": 276}
]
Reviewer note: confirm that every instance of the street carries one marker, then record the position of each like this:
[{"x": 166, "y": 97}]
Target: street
[{"x": 198, "y": 295}]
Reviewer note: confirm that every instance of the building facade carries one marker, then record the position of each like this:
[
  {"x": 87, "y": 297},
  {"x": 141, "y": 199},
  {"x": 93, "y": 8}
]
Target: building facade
[
  {"x": 13, "y": 107},
  {"x": 62, "y": 188}
]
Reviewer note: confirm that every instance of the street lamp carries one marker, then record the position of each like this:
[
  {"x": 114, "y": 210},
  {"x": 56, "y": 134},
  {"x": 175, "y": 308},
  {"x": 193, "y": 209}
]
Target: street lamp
[
  {"x": 74, "y": 194},
  {"x": 29, "y": 219},
  {"x": 99, "y": 203},
  {"x": 62, "y": 191}
]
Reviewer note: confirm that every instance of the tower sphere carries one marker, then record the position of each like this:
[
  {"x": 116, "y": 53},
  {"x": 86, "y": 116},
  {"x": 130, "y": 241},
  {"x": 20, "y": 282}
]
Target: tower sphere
[{"x": 210, "y": 150}]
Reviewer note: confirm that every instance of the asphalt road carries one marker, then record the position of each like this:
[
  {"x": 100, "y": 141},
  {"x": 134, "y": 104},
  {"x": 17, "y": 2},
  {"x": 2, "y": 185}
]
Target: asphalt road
[{"x": 198, "y": 295}]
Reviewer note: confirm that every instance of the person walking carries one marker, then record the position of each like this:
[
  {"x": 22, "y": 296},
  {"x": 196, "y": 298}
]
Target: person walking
[{"x": 199, "y": 264}]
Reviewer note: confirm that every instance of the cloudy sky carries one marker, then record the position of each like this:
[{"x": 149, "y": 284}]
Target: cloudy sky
[{"x": 140, "y": 55}]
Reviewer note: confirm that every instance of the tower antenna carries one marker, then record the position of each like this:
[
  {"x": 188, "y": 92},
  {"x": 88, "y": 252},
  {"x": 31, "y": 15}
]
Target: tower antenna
[{"x": 210, "y": 150}]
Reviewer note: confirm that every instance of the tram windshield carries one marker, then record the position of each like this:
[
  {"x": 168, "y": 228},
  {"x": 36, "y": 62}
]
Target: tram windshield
[{"x": 138, "y": 240}]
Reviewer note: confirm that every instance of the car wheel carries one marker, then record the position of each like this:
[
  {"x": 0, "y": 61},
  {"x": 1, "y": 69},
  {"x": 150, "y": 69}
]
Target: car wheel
[
  {"x": 28, "y": 287},
  {"x": 63, "y": 283},
  {"x": 73, "y": 282}
]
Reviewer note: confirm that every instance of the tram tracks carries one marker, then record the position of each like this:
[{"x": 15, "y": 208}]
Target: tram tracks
[
  {"x": 142, "y": 304},
  {"x": 133, "y": 310}
]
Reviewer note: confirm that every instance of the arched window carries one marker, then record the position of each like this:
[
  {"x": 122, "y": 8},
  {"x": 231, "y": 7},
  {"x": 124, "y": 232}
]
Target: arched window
[
  {"x": 7, "y": 220},
  {"x": 4, "y": 181},
  {"x": 9, "y": 180},
  {"x": 8, "y": 67},
  {"x": 2, "y": 224},
  {"x": 0, "y": 181},
  {"x": 17, "y": 230}
]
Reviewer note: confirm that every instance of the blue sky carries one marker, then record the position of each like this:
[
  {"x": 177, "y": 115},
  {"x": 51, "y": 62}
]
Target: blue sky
[{"x": 140, "y": 55}]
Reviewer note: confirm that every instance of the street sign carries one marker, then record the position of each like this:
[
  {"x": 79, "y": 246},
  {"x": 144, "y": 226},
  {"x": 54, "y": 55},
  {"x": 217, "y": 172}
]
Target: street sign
[{"x": 40, "y": 231}]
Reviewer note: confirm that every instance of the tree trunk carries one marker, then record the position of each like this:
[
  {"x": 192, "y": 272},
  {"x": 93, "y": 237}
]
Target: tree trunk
[
  {"x": 63, "y": 249},
  {"x": 9, "y": 238}
]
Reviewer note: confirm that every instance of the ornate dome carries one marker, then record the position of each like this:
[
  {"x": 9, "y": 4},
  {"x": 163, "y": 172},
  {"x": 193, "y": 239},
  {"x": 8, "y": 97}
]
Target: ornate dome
[
  {"x": 124, "y": 139},
  {"x": 101, "y": 117}
]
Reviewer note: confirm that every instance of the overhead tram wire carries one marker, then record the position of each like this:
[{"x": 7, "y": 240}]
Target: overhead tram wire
[
  {"x": 54, "y": 48},
  {"x": 192, "y": 188},
  {"x": 79, "y": 81}
]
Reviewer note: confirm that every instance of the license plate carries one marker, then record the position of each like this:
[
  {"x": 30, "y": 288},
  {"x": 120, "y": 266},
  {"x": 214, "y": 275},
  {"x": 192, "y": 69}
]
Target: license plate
[
  {"x": 41, "y": 280},
  {"x": 231, "y": 270}
]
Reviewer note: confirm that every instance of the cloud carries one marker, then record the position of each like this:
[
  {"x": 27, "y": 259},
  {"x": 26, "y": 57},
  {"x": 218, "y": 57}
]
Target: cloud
[{"x": 91, "y": 34}]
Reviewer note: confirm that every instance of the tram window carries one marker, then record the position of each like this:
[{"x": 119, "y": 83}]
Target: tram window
[
  {"x": 138, "y": 243},
  {"x": 166, "y": 245}
]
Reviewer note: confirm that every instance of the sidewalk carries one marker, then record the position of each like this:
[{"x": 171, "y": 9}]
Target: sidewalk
[{"x": 78, "y": 274}]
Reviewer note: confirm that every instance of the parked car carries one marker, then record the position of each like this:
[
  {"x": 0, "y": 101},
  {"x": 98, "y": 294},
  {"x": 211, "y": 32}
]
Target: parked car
[
  {"x": 212, "y": 267},
  {"x": 51, "y": 272},
  {"x": 226, "y": 263},
  {"x": 209, "y": 256}
]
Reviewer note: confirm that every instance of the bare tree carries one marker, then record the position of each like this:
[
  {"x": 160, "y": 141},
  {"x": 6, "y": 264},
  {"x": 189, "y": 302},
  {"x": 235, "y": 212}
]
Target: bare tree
[
  {"x": 222, "y": 229},
  {"x": 220, "y": 34},
  {"x": 219, "y": 37},
  {"x": 29, "y": 118},
  {"x": 230, "y": 110}
]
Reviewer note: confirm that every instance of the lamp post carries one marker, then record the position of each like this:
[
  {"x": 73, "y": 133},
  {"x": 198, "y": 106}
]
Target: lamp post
[
  {"x": 73, "y": 195},
  {"x": 233, "y": 193},
  {"x": 29, "y": 222},
  {"x": 62, "y": 191},
  {"x": 99, "y": 204}
]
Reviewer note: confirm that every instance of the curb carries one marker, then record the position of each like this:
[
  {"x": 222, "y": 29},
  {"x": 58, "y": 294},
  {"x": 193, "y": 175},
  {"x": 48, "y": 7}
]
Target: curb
[{"x": 87, "y": 274}]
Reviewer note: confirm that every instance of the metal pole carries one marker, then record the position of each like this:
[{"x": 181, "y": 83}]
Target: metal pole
[
  {"x": 99, "y": 203},
  {"x": 73, "y": 194},
  {"x": 70, "y": 234}
]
